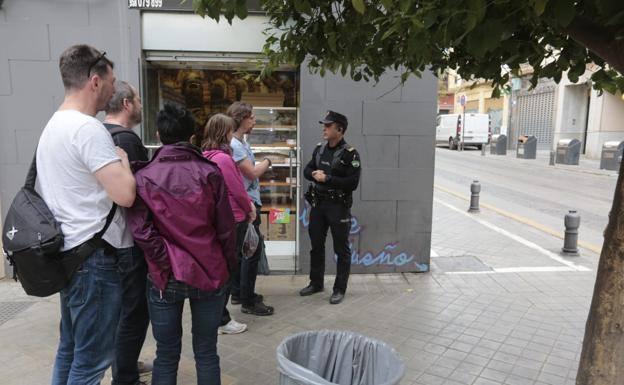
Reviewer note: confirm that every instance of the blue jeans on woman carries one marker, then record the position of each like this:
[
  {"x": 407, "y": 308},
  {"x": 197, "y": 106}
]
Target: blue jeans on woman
[
  {"x": 90, "y": 306},
  {"x": 165, "y": 309}
]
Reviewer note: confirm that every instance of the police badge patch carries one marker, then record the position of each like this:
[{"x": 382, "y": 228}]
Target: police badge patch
[{"x": 355, "y": 163}]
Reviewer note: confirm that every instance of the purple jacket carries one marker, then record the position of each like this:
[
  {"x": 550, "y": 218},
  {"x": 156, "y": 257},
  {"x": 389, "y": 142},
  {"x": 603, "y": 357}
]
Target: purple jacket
[{"x": 182, "y": 219}]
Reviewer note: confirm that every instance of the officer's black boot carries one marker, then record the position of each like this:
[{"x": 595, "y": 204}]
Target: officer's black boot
[
  {"x": 310, "y": 289},
  {"x": 336, "y": 298}
]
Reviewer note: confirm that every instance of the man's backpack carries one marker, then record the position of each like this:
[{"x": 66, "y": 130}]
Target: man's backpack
[{"x": 32, "y": 240}]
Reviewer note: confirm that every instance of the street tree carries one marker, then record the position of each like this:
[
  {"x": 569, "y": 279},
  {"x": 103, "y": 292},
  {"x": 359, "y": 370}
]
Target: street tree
[{"x": 479, "y": 39}]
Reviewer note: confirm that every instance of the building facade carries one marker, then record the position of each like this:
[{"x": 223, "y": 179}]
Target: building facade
[{"x": 171, "y": 54}]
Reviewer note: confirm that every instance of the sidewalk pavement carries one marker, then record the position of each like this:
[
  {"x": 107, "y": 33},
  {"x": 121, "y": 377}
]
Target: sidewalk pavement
[{"x": 500, "y": 306}]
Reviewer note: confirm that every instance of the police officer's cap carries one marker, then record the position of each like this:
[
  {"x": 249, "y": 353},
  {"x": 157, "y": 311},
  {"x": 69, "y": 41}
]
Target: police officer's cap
[{"x": 335, "y": 117}]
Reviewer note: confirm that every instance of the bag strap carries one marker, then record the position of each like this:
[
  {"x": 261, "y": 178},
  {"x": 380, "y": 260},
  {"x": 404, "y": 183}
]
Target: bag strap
[
  {"x": 30, "y": 183},
  {"x": 31, "y": 177},
  {"x": 109, "y": 219}
]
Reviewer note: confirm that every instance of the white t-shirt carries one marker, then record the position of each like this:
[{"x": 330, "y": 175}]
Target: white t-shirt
[{"x": 72, "y": 147}]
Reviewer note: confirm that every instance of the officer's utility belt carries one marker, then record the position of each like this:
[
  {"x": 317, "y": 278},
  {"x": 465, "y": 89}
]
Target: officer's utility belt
[{"x": 314, "y": 196}]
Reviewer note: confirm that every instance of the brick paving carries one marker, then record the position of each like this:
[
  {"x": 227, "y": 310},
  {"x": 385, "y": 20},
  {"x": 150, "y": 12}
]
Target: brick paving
[{"x": 459, "y": 327}]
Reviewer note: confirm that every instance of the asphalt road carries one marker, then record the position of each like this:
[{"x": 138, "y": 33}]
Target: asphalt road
[{"x": 531, "y": 189}]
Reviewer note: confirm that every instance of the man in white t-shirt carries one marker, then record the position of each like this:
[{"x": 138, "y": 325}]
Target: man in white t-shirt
[{"x": 80, "y": 174}]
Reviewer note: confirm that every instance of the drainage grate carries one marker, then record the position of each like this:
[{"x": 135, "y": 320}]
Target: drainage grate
[
  {"x": 460, "y": 263},
  {"x": 8, "y": 310}
]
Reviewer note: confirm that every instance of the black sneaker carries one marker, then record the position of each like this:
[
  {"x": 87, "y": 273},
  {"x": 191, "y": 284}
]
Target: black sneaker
[
  {"x": 258, "y": 308},
  {"x": 237, "y": 300}
]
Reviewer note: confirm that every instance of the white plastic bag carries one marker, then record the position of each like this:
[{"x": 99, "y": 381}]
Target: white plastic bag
[{"x": 251, "y": 241}]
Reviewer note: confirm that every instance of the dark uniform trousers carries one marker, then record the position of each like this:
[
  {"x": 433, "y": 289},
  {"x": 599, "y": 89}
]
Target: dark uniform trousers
[{"x": 335, "y": 216}]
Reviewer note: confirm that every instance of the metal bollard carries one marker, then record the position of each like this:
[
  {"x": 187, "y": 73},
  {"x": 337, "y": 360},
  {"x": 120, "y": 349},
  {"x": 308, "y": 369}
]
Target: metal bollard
[
  {"x": 483, "y": 150},
  {"x": 572, "y": 223},
  {"x": 475, "y": 189},
  {"x": 552, "y": 159}
]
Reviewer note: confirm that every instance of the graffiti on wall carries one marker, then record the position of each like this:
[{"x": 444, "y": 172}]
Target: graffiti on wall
[{"x": 389, "y": 255}]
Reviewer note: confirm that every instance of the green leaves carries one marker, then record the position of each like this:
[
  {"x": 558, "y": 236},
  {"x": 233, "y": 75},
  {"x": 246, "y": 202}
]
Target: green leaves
[
  {"x": 485, "y": 37},
  {"x": 365, "y": 38},
  {"x": 539, "y": 6},
  {"x": 359, "y": 6},
  {"x": 563, "y": 11}
]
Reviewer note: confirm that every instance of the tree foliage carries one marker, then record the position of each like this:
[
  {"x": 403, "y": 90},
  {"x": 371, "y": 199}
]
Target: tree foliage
[{"x": 362, "y": 38}]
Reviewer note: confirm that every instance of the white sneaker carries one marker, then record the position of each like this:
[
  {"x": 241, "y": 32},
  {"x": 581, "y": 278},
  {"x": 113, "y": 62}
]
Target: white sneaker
[{"x": 232, "y": 327}]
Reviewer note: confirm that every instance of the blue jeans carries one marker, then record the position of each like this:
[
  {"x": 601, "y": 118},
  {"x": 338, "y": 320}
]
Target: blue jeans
[
  {"x": 165, "y": 310},
  {"x": 134, "y": 318},
  {"x": 90, "y": 306}
]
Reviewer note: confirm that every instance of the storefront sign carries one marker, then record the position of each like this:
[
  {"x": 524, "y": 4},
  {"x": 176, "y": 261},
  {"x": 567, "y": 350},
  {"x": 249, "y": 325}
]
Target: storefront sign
[{"x": 180, "y": 5}]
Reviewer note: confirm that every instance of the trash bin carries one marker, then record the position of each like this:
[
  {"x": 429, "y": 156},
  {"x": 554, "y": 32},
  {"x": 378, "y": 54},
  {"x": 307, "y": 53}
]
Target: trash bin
[
  {"x": 327, "y": 357},
  {"x": 568, "y": 151},
  {"x": 498, "y": 146},
  {"x": 527, "y": 147},
  {"x": 611, "y": 155}
]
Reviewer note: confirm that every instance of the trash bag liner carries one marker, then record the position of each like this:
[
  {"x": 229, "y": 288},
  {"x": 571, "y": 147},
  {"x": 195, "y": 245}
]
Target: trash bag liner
[{"x": 327, "y": 357}]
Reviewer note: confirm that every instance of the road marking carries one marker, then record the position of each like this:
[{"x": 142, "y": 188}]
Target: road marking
[
  {"x": 516, "y": 238},
  {"x": 586, "y": 245},
  {"x": 539, "y": 269},
  {"x": 434, "y": 254}
]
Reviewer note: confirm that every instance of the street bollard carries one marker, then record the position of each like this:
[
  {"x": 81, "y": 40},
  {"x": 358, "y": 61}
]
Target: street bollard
[
  {"x": 572, "y": 223},
  {"x": 552, "y": 159},
  {"x": 475, "y": 189},
  {"x": 483, "y": 150}
]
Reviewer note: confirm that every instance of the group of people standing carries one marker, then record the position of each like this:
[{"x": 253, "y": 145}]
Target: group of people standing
[{"x": 174, "y": 224}]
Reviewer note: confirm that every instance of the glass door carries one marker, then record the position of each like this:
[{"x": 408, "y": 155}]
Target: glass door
[
  {"x": 275, "y": 137},
  {"x": 208, "y": 87}
]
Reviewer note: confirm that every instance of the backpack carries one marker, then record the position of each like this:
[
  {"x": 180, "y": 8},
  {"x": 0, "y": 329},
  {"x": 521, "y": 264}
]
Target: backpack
[{"x": 32, "y": 240}]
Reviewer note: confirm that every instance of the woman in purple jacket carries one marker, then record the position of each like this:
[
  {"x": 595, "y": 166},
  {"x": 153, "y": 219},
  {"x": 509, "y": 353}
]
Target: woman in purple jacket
[
  {"x": 216, "y": 145},
  {"x": 183, "y": 222}
]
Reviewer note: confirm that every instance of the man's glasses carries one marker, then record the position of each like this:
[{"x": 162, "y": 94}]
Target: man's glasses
[{"x": 97, "y": 60}]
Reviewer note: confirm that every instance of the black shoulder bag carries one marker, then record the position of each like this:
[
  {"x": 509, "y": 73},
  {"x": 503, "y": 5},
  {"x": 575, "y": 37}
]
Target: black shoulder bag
[{"x": 32, "y": 240}]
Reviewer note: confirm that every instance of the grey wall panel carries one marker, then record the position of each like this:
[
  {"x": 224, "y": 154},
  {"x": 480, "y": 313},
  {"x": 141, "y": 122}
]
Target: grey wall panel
[
  {"x": 8, "y": 146},
  {"x": 420, "y": 89},
  {"x": 25, "y": 41},
  {"x": 414, "y": 216},
  {"x": 341, "y": 88},
  {"x": 381, "y": 184},
  {"x": 49, "y": 11},
  {"x": 416, "y": 151},
  {"x": 312, "y": 89},
  {"x": 391, "y": 228},
  {"x": 385, "y": 214},
  {"x": 399, "y": 118},
  {"x": 380, "y": 151},
  {"x": 31, "y": 78},
  {"x": 5, "y": 72}
]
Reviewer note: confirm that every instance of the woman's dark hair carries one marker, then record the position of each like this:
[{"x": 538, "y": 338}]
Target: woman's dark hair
[
  {"x": 175, "y": 124},
  {"x": 216, "y": 132},
  {"x": 239, "y": 111}
]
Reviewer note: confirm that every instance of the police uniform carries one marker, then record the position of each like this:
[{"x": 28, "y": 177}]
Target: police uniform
[{"x": 331, "y": 207}]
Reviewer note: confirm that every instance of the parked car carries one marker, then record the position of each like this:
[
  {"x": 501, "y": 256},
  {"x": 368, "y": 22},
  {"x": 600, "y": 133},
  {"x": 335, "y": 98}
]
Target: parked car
[{"x": 476, "y": 130}]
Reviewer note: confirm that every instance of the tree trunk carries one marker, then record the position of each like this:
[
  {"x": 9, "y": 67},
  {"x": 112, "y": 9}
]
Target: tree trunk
[{"x": 602, "y": 358}]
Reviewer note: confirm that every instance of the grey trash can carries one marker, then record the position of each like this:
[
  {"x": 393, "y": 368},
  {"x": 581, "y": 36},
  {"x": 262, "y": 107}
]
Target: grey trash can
[
  {"x": 328, "y": 357},
  {"x": 611, "y": 155},
  {"x": 527, "y": 147},
  {"x": 568, "y": 151},
  {"x": 498, "y": 145}
]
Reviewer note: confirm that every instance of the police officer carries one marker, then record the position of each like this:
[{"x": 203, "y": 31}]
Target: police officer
[{"x": 334, "y": 171}]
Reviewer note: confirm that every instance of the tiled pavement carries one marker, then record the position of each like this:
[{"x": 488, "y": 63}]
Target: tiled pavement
[{"x": 450, "y": 327}]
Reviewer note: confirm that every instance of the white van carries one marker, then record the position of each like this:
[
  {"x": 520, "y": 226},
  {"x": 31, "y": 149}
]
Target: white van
[{"x": 476, "y": 130}]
